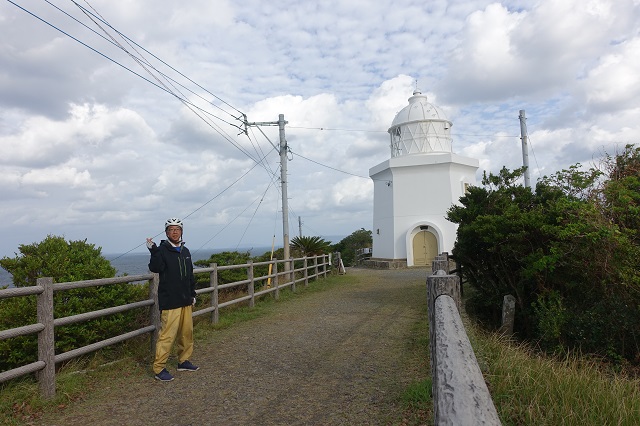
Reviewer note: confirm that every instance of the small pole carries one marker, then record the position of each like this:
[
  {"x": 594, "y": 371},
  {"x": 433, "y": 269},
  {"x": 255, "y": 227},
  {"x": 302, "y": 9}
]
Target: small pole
[
  {"x": 154, "y": 314},
  {"x": 252, "y": 285},
  {"x": 46, "y": 340},
  {"x": 525, "y": 148},
  {"x": 215, "y": 315}
]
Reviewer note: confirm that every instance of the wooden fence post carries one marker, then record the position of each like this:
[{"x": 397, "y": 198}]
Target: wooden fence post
[
  {"x": 508, "y": 314},
  {"x": 292, "y": 269},
  {"x": 46, "y": 342},
  {"x": 275, "y": 279},
  {"x": 315, "y": 264},
  {"x": 324, "y": 266},
  {"x": 306, "y": 272},
  {"x": 213, "y": 280},
  {"x": 154, "y": 311},
  {"x": 440, "y": 263},
  {"x": 252, "y": 288}
]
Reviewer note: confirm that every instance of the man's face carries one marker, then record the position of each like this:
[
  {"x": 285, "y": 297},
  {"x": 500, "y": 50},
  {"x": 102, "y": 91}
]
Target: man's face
[{"x": 174, "y": 233}]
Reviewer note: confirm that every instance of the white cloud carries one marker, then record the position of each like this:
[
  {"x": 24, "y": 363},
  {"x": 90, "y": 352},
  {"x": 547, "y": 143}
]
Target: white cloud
[
  {"x": 351, "y": 191},
  {"x": 614, "y": 82},
  {"x": 87, "y": 146},
  {"x": 58, "y": 176}
]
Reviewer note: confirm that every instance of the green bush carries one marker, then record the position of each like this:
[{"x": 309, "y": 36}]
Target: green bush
[
  {"x": 65, "y": 262},
  {"x": 348, "y": 245},
  {"x": 567, "y": 251},
  {"x": 224, "y": 258}
]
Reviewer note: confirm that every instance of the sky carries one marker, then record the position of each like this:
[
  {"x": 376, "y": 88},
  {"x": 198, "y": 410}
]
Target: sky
[{"x": 115, "y": 116}]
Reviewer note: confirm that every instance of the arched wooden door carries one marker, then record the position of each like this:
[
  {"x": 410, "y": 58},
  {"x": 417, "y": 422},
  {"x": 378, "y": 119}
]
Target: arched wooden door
[{"x": 425, "y": 248}]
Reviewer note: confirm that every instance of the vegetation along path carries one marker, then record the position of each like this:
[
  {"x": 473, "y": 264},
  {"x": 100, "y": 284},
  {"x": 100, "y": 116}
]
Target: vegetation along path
[{"x": 343, "y": 356}]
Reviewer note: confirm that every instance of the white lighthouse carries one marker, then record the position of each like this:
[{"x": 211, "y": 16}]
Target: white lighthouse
[{"x": 414, "y": 188}]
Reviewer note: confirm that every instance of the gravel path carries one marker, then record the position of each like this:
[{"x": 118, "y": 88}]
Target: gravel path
[{"x": 337, "y": 357}]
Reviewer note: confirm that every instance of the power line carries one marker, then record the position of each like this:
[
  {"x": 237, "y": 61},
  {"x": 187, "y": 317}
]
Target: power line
[
  {"x": 384, "y": 131},
  {"x": 143, "y": 62},
  {"x": 163, "y": 62},
  {"x": 338, "y": 130},
  {"x": 338, "y": 170},
  {"x": 228, "y": 224},
  {"x": 203, "y": 205},
  {"x": 254, "y": 214},
  {"x": 328, "y": 167},
  {"x": 159, "y": 85}
]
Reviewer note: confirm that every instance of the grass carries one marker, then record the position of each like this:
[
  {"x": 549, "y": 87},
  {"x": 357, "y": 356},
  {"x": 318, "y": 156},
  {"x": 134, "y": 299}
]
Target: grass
[
  {"x": 21, "y": 403},
  {"x": 416, "y": 399},
  {"x": 529, "y": 388},
  {"x": 533, "y": 389}
]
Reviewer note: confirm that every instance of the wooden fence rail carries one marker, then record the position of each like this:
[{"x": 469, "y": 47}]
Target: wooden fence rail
[
  {"x": 44, "y": 290},
  {"x": 460, "y": 394}
]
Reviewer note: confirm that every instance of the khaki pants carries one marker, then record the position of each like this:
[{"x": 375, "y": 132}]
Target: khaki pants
[{"x": 177, "y": 325}]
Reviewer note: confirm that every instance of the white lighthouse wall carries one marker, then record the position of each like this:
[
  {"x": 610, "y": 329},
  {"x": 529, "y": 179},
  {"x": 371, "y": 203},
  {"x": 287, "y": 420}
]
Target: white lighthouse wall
[
  {"x": 423, "y": 187},
  {"x": 382, "y": 231}
]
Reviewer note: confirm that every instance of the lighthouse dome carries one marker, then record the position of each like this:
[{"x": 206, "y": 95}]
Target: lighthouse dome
[{"x": 420, "y": 128}]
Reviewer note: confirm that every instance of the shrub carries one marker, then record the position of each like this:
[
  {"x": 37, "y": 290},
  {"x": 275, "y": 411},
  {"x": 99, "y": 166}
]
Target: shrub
[
  {"x": 347, "y": 247},
  {"x": 567, "y": 251},
  {"x": 64, "y": 262}
]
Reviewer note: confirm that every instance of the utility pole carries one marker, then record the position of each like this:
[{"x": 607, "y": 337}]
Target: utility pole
[
  {"x": 283, "y": 182},
  {"x": 300, "y": 226},
  {"x": 282, "y": 149},
  {"x": 525, "y": 148}
]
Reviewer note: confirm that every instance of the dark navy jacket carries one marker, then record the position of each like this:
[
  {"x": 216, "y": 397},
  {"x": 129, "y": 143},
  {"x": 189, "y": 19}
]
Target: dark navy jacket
[{"x": 177, "y": 286}]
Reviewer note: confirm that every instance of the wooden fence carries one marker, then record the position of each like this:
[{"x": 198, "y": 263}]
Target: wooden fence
[
  {"x": 460, "y": 394},
  {"x": 363, "y": 254},
  {"x": 272, "y": 282}
]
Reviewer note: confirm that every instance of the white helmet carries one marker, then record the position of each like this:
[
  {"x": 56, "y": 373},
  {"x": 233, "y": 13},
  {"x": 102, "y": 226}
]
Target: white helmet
[{"x": 174, "y": 221}]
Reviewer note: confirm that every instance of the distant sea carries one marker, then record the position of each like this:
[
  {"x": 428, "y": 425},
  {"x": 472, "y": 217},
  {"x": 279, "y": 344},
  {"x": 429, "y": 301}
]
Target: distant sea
[{"x": 137, "y": 263}]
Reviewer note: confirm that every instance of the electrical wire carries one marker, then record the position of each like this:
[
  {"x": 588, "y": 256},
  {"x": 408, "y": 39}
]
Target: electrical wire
[
  {"x": 328, "y": 167},
  {"x": 226, "y": 226},
  {"x": 338, "y": 130},
  {"x": 144, "y": 63},
  {"x": 165, "y": 63},
  {"x": 384, "y": 131},
  {"x": 254, "y": 214},
  {"x": 194, "y": 211},
  {"x": 157, "y": 84},
  {"x": 148, "y": 67},
  {"x": 388, "y": 182}
]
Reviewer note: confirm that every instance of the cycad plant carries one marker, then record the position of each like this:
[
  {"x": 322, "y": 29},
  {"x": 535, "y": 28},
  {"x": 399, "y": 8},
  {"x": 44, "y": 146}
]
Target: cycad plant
[{"x": 310, "y": 246}]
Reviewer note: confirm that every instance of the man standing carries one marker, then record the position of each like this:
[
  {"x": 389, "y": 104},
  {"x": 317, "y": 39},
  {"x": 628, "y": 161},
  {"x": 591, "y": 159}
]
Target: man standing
[{"x": 176, "y": 297}]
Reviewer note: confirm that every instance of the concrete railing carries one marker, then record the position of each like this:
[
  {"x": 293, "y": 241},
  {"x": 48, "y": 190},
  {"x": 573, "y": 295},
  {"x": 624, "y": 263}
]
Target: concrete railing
[
  {"x": 253, "y": 287},
  {"x": 460, "y": 394}
]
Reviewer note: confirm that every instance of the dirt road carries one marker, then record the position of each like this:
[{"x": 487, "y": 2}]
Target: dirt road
[{"x": 337, "y": 357}]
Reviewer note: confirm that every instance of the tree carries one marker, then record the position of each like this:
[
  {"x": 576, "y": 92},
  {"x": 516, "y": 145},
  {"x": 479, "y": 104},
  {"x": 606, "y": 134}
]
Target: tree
[
  {"x": 55, "y": 257},
  {"x": 347, "y": 247},
  {"x": 64, "y": 262},
  {"x": 620, "y": 200},
  {"x": 566, "y": 251}
]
